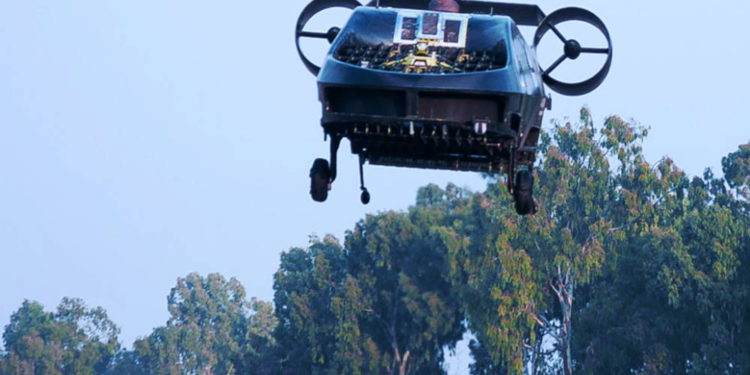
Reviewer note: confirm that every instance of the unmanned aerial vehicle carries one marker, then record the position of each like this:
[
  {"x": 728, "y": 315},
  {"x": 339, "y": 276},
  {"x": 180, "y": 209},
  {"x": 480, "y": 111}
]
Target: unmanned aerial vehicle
[{"x": 414, "y": 87}]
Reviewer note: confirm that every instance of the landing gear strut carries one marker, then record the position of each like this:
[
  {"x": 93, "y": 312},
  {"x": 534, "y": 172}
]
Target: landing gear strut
[
  {"x": 322, "y": 175},
  {"x": 365, "y": 197}
]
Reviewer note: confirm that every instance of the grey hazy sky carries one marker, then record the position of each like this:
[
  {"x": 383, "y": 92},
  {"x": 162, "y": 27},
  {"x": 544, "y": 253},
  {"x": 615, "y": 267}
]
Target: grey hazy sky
[{"x": 143, "y": 140}]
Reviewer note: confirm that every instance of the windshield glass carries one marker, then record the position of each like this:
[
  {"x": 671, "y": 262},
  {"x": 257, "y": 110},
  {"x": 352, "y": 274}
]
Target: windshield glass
[{"x": 412, "y": 41}]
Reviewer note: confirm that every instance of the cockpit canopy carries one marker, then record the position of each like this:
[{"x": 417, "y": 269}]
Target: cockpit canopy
[{"x": 423, "y": 42}]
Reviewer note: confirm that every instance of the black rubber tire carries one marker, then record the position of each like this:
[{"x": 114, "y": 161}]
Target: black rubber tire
[
  {"x": 365, "y": 197},
  {"x": 523, "y": 193},
  {"x": 320, "y": 179}
]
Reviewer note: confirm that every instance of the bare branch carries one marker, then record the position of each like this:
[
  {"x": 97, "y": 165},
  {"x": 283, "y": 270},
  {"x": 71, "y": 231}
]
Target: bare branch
[
  {"x": 557, "y": 292},
  {"x": 539, "y": 352}
]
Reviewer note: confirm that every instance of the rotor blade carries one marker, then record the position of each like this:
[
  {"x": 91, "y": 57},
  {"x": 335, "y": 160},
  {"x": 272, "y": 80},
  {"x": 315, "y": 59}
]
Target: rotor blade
[
  {"x": 557, "y": 32},
  {"x": 313, "y": 34},
  {"x": 575, "y": 14},
  {"x": 555, "y": 65},
  {"x": 595, "y": 50},
  {"x": 308, "y": 12}
]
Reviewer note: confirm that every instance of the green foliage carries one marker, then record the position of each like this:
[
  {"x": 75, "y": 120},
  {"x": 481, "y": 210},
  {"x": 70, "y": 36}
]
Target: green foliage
[
  {"x": 305, "y": 285},
  {"x": 212, "y": 329},
  {"x": 509, "y": 269},
  {"x": 483, "y": 363},
  {"x": 127, "y": 362},
  {"x": 381, "y": 304},
  {"x": 72, "y": 340},
  {"x": 400, "y": 266},
  {"x": 671, "y": 302},
  {"x": 626, "y": 268},
  {"x": 736, "y": 168}
]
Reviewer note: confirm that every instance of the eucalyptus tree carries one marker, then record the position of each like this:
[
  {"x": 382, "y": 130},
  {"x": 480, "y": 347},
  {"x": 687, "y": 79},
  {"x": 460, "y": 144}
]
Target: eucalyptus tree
[
  {"x": 409, "y": 314},
  {"x": 736, "y": 167},
  {"x": 517, "y": 275},
  {"x": 213, "y": 329},
  {"x": 610, "y": 244},
  {"x": 674, "y": 297},
  {"x": 627, "y": 267},
  {"x": 74, "y": 339},
  {"x": 380, "y": 304},
  {"x": 305, "y": 286}
]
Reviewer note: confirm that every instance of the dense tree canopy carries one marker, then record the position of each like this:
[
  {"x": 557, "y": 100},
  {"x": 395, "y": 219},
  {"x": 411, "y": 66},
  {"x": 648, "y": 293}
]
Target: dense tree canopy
[
  {"x": 212, "y": 329},
  {"x": 306, "y": 284},
  {"x": 73, "y": 340},
  {"x": 381, "y": 304},
  {"x": 626, "y": 268}
]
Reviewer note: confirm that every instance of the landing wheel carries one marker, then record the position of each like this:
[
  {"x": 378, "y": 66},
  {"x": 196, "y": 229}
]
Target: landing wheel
[
  {"x": 320, "y": 180},
  {"x": 523, "y": 193},
  {"x": 365, "y": 197}
]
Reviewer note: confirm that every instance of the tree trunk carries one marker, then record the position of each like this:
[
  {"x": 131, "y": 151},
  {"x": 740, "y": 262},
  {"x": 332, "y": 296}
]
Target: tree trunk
[
  {"x": 403, "y": 367},
  {"x": 563, "y": 287},
  {"x": 535, "y": 353},
  {"x": 399, "y": 362},
  {"x": 567, "y": 328}
]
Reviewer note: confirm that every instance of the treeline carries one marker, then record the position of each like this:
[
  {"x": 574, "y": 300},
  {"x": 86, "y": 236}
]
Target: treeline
[{"x": 626, "y": 268}]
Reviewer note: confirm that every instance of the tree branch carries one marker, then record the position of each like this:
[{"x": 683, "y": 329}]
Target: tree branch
[{"x": 539, "y": 352}]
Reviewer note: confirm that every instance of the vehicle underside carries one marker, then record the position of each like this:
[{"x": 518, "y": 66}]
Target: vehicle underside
[
  {"x": 411, "y": 86},
  {"x": 429, "y": 129},
  {"x": 437, "y": 130}
]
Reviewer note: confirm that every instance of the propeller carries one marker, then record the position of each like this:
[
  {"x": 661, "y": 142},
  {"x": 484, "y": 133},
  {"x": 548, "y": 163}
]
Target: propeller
[
  {"x": 572, "y": 49},
  {"x": 311, "y": 10}
]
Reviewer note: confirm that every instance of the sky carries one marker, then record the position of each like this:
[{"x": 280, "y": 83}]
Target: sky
[{"x": 144, "y": 140}]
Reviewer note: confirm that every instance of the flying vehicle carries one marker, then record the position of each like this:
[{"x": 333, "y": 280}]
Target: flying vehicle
[{"x": 410, "y": 86}]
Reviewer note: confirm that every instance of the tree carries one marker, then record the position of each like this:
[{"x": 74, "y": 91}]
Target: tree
[
  {"x": 72, "y": 340},
  {"x": 212, "y": 329},
  {"x": 736, "y": 168},
  {"x": 626, "y": 268},
  {"x": 304, "y": 286},
  {"x": 260, "y": 347},
  {"x": 409, "y": 312},
  {"x": 380, "y": 304},
  {"x": 127, "y": 362},
  {"x": 671, "y": 301},
  {"x": 719, "y": 234},
  {"x": 517, "y": 275}
]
